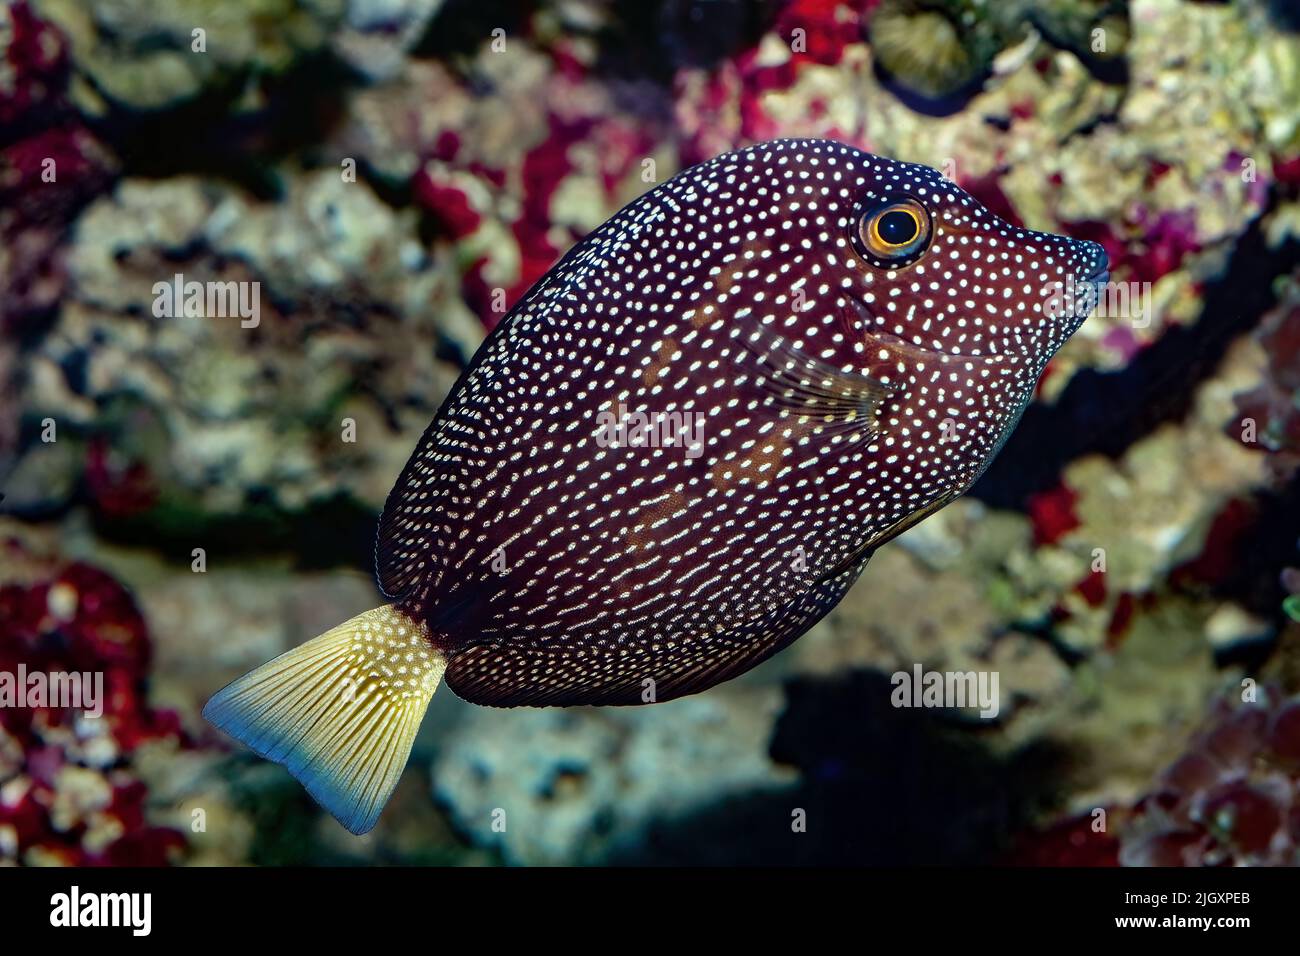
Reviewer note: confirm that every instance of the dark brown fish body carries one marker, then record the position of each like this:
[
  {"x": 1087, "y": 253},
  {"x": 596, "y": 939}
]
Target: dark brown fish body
[
  {"x": 618, "y": 565},
  {"x": 824, "y": 346}
]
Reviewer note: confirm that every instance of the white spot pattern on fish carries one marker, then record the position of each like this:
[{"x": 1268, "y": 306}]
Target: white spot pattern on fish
[{"x": 827, "y": 428}]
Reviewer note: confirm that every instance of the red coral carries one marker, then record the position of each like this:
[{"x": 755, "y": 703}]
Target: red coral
[
  {"x": 1146, "y": 247},
  {"x": 544, "y": 168},
  {"x": 1093, "y": 588},
  {"x": 35, "y": 62},
  {"x": 445, "y": 202},
  {"x": 1166, "y": 241},
  {"x": 47, "y": 176},
  {"x": 148, "y": 846},
  {"x": 1121, "y": 340},
  {"x": 50, "y": 165},
  {"x": 1269, "y": 415},
  {"x": 79, "y": 619},
  {"x": 1052, "y": 514},
  {"x": 1286, "y": 170},
  {"x": 728, "y": 110},
  {"x": 118, "y": 487},
  {"x": 1072, "y": 842},
  {"x": 1125, "y": 609},
  {"x": 1232, "y": 798},
  {"x": 1221, "y": 557},
  {"x": 831, "y": 26}
]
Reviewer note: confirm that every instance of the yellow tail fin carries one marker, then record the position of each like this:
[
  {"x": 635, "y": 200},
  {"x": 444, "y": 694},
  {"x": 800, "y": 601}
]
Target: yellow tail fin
[{"x": 341, "y": 711}]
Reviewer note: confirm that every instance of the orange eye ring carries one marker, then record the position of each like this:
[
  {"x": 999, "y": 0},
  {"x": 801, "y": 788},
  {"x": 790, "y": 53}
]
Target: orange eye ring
[{"x": 893, "y": 233}]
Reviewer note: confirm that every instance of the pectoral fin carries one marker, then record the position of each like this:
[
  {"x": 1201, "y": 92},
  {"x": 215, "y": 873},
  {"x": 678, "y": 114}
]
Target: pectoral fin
[{"x": 819, "y": 395}]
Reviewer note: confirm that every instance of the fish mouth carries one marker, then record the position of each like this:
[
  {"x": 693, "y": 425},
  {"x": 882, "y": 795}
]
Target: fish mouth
[
  {"x": 1096, "y": 282},
  {"x": 1098, "y": 278},
  {"x": 1095, "y": 286}
]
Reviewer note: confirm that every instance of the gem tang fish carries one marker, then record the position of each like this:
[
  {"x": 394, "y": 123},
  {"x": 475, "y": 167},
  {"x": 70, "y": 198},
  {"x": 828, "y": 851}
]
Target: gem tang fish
[{"x": 678, "y": 452}]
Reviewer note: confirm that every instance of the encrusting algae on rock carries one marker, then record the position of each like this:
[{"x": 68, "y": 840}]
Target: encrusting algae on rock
[{"x": 856, "y": 338}]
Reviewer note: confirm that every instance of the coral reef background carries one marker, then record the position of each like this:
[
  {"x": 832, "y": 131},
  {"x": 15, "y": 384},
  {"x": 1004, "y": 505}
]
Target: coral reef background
[{"x": 182, "y": 500}]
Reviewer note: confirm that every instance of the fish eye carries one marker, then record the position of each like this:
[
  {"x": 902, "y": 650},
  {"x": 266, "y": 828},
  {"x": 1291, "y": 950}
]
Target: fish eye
[{"x": 893, "y": 233}]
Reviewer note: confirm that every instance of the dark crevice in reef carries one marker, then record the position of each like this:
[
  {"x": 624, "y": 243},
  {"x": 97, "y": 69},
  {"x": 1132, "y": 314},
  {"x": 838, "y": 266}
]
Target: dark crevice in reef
[
  {"x": 1107, "y": 412},
  {"x": 332, "y": 533},
  {"x": 651, "y": 41},
  {"x": 202, "y": 137},
  {"x": 879, "y": 786},
  {"x": 1249, "y": 544},
  {"x": 460, "y": 27},
  {"x": 1286, "y": 14},
  {"x": 939, "y": 105}
]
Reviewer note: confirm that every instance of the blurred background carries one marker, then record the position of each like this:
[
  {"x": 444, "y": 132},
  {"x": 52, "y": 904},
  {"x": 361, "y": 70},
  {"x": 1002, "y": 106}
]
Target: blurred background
[{"x": 184, "y": 497}]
